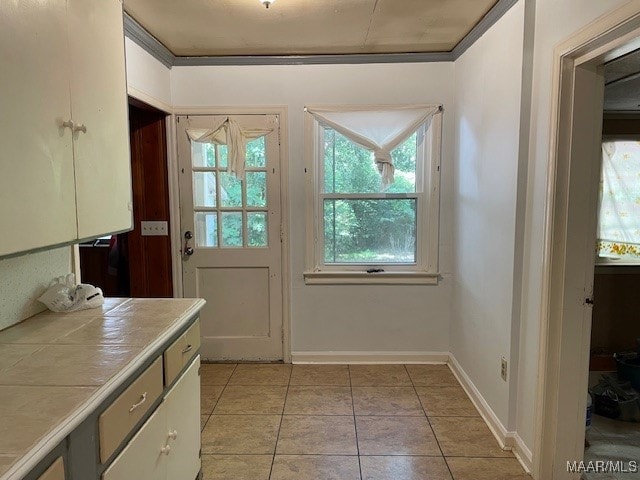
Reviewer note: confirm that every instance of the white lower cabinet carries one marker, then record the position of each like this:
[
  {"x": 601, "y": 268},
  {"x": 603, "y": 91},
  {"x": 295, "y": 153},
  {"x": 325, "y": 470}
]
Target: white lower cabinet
[
  {"x": 183, "y": 420},
  {"x": 167, "y": 446}
]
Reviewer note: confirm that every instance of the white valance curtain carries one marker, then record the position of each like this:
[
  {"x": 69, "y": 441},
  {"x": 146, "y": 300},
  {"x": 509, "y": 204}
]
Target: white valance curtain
[
  {"x": 619, "y": 202},
  {"x": 226, "y": 131},
  {"x": 379, "y": 129}
]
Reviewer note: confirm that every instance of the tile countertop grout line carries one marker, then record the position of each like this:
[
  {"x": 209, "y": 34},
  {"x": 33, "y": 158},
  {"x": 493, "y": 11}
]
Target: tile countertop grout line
[{"x": 38, "y": 452}]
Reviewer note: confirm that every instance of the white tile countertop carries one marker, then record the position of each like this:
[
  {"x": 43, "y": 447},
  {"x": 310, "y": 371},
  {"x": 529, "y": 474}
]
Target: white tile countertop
[{"x": 55, "y": 369}]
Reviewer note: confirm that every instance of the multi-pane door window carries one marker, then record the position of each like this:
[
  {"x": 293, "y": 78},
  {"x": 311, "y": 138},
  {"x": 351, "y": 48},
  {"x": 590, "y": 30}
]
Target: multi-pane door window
[
  {"x": 361, "y": 225},
  {"x": 229, "y": 213}
]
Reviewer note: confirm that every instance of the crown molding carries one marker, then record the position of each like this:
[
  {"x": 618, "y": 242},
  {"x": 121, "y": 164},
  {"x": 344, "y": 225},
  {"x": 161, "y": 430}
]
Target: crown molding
[
  {"x": 154, "y": 47},
  {"x": 485, "y": 23},
  {"x": 136, "y": 32}
]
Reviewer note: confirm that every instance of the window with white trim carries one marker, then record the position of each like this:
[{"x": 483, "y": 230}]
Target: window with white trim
[{"x": 373, "y": 194}]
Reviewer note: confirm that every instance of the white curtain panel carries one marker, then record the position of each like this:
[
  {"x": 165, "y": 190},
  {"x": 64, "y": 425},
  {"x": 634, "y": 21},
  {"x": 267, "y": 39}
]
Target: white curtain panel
[
  {"x": 376, "y": 128},
  {"x": 619, "y": 201},
  {"x": 226, "y": 131}
]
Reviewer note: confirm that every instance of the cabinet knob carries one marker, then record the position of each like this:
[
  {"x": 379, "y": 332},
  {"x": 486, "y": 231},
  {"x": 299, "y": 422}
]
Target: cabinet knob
[
  {"x": 80, "y": 128},
  {"x": 166, "y": 449},
  {"x": 69, "y": 124},
  {"x": 173, "y": 434}
]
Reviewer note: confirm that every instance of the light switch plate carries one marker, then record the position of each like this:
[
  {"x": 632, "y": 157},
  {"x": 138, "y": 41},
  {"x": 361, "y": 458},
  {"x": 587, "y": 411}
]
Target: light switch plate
[{"x": 154, "y": 229}]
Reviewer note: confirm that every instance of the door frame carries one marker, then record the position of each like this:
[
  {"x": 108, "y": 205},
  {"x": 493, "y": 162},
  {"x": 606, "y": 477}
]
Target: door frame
[
  {"x": 569, "y": 236},
  {"x": 281, "y": 111}
]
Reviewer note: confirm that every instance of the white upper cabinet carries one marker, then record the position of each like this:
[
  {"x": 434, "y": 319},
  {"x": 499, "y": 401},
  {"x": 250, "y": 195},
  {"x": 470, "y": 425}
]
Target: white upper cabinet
[
  {"x": 37, "y": 192},
  {"x": 99, "y": 103},
  {"x": 64, "y": 141}
]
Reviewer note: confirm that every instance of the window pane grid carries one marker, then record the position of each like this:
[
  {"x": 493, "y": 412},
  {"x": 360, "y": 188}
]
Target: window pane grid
[
  {"x": 360, "y": 224},
  {"x": 229, "y": 213}
]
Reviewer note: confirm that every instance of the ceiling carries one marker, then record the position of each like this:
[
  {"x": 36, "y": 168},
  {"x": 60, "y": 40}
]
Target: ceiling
[
  {"x": 622, "y": 83},
  {"x": 307, "y": 27}
]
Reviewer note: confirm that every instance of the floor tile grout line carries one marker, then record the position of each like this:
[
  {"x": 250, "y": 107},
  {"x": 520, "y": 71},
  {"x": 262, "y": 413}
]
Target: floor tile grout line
[
  {"x": 355, "y": 426},
  {"x": 429, "y": 423},
  {"x": 275, "y": 447},
  {"x": 222, "y": 392}
]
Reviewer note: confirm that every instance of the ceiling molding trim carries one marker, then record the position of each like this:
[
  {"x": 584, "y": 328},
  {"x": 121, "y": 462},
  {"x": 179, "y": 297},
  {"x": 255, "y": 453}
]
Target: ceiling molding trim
[
  {"x": 491, "y": 17},
  {"x": 154, "y": 47},
  {"x": 341, "y": 59},
  {"x": 136, "y": 32}
]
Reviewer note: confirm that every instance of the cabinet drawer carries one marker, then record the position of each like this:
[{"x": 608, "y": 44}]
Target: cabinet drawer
[
  {"x": 179, "y": 354},
  {"x": 144, "y": 457},
  {"x": 127, "y": 410},
  {"x": 55, "y": 471}
]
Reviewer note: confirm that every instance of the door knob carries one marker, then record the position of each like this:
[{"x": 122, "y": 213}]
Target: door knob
[
  {"x": 188, "y": 235},
  {"x": 188, "y": 251}
]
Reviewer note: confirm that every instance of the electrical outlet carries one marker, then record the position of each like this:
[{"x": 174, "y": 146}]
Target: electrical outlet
[
  {"x": 503, "y": 369},
  {"x": 154, "y": 229}
]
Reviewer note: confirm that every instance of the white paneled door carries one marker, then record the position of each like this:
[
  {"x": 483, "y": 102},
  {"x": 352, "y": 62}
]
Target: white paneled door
[{"x": 231, "y": 236}]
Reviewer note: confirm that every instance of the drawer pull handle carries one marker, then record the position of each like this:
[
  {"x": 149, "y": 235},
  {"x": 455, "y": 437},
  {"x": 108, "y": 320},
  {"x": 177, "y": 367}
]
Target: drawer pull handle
[
  {"x": 187, "y": 349},
  {"x": 166, "y": 449},
  {"x": 173, "y": 434},
  {"x": 143, "y": 398}
]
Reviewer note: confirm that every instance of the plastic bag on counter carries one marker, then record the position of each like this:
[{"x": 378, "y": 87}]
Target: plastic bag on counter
[{"x": 64, "y": 295}]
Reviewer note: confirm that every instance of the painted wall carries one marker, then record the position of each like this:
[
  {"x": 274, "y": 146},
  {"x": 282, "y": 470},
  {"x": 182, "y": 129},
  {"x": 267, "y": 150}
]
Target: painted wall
[
  {"x": 24, "y": 278},
  {"x": 148, "y": 80},
  {"x": 343, "y": 318},
  {"x": 487, "y": 125},
  {"x": 554, "y": 22}
]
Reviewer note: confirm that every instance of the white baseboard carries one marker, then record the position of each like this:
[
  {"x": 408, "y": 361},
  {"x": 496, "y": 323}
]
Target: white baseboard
[
  {"x": 522, "y": 453},
  {"x": 369, "y": 357},
  {"x": 506, "y": 439}
]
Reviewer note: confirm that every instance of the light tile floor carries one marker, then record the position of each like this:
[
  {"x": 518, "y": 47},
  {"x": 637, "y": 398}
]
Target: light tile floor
[{"x": 339, "y": 422}]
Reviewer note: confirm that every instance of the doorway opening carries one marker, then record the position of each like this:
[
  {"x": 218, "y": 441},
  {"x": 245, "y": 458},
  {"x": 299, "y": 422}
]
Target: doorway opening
[
  {"x": 570, "y": 240},
  {"x": 614, "y": 370},
  {"x": 138, "y": 263}
]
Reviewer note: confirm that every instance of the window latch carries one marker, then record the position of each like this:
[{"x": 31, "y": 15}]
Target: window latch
[{"x": 375, "y": 270}]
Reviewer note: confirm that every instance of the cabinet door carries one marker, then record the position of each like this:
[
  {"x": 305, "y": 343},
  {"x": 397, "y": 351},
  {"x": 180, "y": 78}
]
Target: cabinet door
[
  {"x": 142, "y": 458},
  {"x": 37, "y": 193},
  {"x": 99, "y": 103},
  {"x": 182, "y": 404}
]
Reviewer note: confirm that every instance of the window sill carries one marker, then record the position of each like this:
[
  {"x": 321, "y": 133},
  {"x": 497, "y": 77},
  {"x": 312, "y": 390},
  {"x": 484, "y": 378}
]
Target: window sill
[{"x": 364, "y": 278}]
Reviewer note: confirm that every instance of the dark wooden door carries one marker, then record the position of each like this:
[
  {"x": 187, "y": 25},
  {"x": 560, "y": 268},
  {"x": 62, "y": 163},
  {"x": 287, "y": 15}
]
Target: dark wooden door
[{"x": 149, "y": 257}]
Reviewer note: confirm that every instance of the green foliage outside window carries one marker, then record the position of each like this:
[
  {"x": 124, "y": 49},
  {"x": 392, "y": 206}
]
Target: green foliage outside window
[{"x": 361, "y": 229}]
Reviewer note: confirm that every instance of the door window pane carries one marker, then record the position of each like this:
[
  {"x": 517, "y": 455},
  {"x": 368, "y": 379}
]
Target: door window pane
[
  {"x": 222, "y": 152},
  {"x": 256, "y": 153},
  {"x": 202, "y": 154},
  {"x": 232, "y": 229},
  {"x": 257, "y": 229},
  {"x": 256, "y": 189},
  {"x": 230, "y": 190},
  {"x": 206, "y": 224},
  {"x": 204, "y": 189},
  {"x": 370, "y": 231}
]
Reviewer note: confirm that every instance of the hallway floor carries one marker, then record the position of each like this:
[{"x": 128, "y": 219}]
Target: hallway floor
[
  {"x": 612, "y": 440},
  {"x": 339, "y": 422}
]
